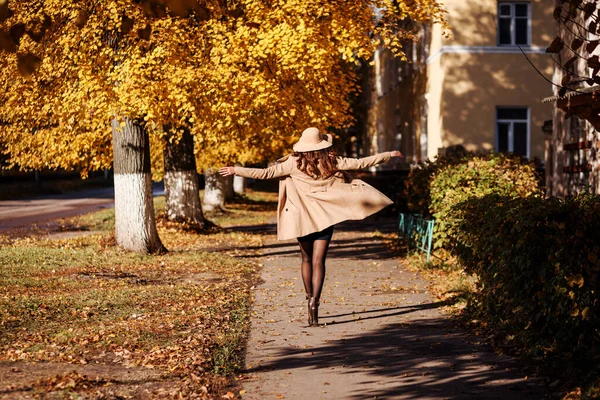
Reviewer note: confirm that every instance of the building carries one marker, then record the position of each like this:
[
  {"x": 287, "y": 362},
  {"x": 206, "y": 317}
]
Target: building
[
  {"x": 393, "y": 106},
  {"x": 476, "y": 89},
  {"x": 572, "y": 145}
]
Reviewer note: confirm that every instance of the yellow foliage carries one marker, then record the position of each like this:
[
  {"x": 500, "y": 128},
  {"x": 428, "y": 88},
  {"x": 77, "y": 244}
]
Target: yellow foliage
[{"x": 245, "y": 77}]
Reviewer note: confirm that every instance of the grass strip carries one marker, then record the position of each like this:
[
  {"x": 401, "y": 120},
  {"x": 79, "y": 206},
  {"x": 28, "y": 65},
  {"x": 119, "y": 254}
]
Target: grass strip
[{"x": 84, "y": 301}]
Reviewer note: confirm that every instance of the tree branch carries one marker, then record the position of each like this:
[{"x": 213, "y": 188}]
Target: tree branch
[{"x": 542, "y": 75}]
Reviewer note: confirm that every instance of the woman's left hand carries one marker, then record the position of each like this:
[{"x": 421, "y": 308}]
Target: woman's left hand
[
  {"x": 396, "y": 153},
  {"x": 226, "y": 171}
]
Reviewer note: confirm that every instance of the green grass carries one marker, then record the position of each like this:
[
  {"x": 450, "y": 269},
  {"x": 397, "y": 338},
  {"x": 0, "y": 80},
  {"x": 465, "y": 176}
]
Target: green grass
[{"x": 228, "y": 356}]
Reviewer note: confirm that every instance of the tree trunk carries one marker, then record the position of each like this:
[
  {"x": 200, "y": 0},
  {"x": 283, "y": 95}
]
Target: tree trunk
[
  {"x": 229, "y": 192},
  {"x": 239, "y": 185},
  {"x": 215, "y": 190},
  {"x": 181, "y": 182},
  {"x": 135, "y": 225}
]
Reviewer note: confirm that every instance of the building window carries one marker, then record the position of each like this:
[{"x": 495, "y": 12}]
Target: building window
[
  {"x": 512, "y": 130},
  {"x": 514, "y": 24}
]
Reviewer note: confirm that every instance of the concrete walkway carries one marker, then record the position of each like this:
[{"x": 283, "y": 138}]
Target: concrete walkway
[{"x": 382, "y": 335}]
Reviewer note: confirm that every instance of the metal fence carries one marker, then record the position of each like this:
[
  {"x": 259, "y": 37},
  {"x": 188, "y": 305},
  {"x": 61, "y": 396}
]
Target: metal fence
[{"x": 417, "y": 230}]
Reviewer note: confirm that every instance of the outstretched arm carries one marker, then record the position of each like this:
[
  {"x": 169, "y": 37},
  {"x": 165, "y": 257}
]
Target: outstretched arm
[
  {"x": 360, "y": 163},
  {"x": 275, "y": 171}
]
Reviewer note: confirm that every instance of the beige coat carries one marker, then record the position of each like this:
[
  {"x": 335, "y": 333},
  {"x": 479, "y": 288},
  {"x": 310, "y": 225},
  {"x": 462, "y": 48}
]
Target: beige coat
[{"x": 308, "y": 205}]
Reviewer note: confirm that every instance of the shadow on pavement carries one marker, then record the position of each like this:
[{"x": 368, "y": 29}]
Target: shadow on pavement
[
  {"x": 371, "y": 224},
  {"x": 358, "y": 249},
  {"x": 355, "y": 249},
  {"x": 426, "y": 358},
  {"x": 382, "y": 313},
  {"x": 263, "y": 229}
]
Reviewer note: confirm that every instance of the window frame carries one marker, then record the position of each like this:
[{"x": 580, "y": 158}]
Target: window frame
[
  {"x": 513, "y": 17},
  {"x": 511, "y": 138}
]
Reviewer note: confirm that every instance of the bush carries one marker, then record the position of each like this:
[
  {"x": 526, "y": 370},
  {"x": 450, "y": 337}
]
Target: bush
[
  {"x": 538, "y": 262},
  {"x": 475, "y": 177},
  {"x": 418, "y": 184}
]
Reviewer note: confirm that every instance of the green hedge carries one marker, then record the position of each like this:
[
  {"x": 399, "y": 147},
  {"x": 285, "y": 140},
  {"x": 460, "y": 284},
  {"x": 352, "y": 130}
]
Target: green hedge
[
  {"x": 538, "y": 262},
  {"x": 417, "y": 187},
  {"x": 434, "y": 187}
]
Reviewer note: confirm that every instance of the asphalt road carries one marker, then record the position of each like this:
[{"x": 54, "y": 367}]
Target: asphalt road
[{"x": 26, "y": 213}]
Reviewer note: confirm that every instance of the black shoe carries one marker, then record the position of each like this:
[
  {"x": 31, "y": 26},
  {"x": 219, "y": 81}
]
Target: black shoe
[
  {"x": 313, "y": 312},
  {"x": 309, "y": 297}
]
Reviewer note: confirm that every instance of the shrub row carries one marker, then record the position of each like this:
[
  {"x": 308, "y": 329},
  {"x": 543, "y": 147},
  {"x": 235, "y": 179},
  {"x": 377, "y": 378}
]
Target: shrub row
[
  {"x": 433, "y": 188},
  {"x": 538, "y": 262},
  {"x": 417, "y": 187}
]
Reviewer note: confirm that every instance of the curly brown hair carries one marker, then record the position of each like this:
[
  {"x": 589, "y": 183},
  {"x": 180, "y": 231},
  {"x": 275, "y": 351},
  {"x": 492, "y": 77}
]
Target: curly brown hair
[{"x": 320, "y": 164}]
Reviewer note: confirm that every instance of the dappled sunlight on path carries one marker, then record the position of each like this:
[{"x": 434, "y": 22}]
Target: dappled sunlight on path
[{"x": 381, "y": 335}]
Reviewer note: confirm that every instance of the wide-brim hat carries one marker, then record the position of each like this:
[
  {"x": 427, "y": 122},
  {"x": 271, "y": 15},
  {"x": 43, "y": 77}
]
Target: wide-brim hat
[{"x": 313, "y": 140}]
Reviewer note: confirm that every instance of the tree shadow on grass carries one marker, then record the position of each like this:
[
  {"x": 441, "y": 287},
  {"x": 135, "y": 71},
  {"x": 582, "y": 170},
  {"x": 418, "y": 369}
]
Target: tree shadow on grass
[
  {"x": 426, "y": 358},
  {"x": 24, "y": 380}
]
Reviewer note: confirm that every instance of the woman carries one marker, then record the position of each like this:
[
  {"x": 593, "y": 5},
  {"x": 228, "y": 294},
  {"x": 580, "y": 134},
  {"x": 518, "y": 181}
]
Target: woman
[{"x": 314, "y": 195}]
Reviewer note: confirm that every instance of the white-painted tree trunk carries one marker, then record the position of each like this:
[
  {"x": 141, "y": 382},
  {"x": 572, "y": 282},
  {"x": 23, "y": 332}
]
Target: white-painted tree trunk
[
  {"x": 135, "y": 224},
  {"x": 239, "y": 184},
  {"x": 182, "y": 195},
  {"x": 215, "y": 190},
  {"x": 182, "y": 198},
  {"x": 135, "y": 227}
]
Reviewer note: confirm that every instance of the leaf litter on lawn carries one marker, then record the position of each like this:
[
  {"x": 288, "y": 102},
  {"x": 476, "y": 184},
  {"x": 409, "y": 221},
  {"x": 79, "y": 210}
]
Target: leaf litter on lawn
[{"x": 88, "y": 309}]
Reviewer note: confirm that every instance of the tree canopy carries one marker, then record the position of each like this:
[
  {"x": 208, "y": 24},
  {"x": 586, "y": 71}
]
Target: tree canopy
[{"x": 245, "y": 77}]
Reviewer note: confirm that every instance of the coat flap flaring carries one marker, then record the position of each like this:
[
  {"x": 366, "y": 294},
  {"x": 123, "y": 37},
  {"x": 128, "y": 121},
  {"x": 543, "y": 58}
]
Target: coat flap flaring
[{"x": 308, "y": 205}]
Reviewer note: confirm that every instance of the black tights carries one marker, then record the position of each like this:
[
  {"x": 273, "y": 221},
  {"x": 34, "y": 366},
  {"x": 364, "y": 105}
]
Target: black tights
[{"x": 313, "y": 266}]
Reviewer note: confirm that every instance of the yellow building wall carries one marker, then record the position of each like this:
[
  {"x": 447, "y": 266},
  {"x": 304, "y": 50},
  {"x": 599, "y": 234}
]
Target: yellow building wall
[
  {"x": 475, "y": 22},
  {"x": 435, "y": 84},
  {"x": 475, "y": 84},
  {"x": 469, "y": 76}
]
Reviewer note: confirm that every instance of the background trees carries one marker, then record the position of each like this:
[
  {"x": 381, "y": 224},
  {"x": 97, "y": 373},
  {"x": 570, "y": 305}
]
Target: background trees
[{"x": 242, "y": 77}]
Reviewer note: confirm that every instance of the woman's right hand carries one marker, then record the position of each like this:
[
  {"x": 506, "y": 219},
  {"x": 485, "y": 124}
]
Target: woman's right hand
[
  {"x": 396, "y": 153},
  {"x": 226, "y": 171}
]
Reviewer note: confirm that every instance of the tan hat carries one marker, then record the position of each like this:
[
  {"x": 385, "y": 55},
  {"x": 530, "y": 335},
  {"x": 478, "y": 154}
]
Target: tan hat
[{"x": 313, "y": 140}]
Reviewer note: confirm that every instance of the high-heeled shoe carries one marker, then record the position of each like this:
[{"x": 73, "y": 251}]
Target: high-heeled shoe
[
  {"x": 308, "y": 298},
  {"x": 313, "y": 312}
]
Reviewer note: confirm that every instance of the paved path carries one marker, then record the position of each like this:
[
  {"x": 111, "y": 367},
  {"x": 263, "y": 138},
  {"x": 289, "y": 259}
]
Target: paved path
[
  {"x": 383, "y": 336},
  {"x": 24, "y": 213}
]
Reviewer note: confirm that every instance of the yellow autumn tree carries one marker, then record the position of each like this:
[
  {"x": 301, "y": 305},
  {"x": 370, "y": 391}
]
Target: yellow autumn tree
[
  {"x": 282, "y": 67},
  {"x": 84, "y": 83},
  {"x": 285, "y": 65}
]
